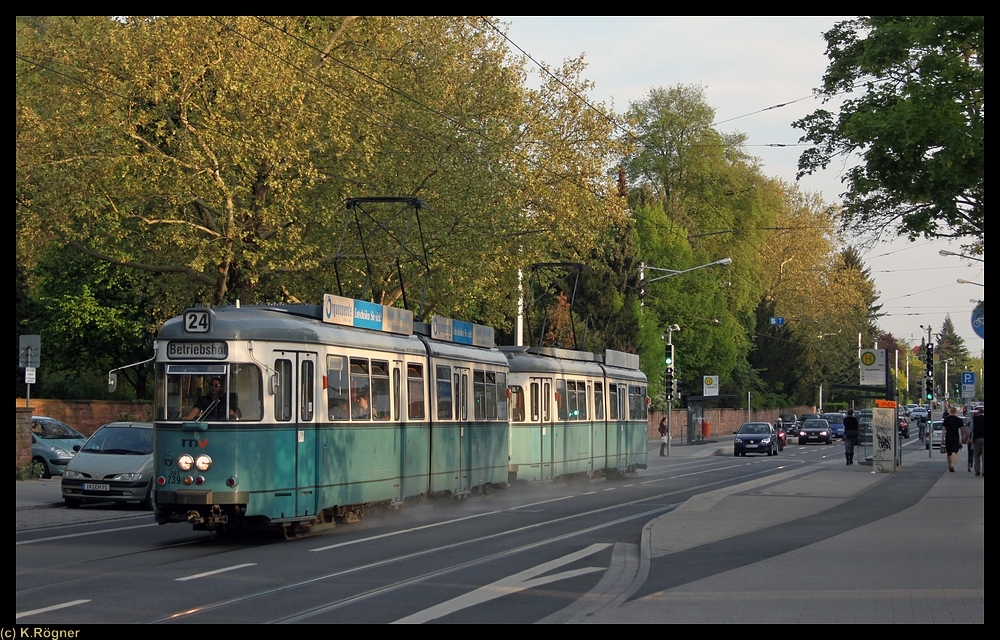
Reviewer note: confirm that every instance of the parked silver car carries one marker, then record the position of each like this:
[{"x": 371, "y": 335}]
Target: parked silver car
[
  {"x": 115, "y": 465},
  {"x": 53, "y": 444}
]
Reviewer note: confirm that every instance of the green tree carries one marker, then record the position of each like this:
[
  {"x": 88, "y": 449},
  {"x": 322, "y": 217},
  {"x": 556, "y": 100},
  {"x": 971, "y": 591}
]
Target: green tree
[
  {"x": 918, "y": 124},
  {"x": 223, "y": 149}
]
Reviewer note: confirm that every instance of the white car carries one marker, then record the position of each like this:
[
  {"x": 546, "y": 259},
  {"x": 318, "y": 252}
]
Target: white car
[{"x": 937, "y": 433}]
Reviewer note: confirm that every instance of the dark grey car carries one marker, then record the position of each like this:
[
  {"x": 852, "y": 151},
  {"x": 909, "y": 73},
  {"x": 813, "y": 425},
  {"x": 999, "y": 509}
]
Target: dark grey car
[
  {"x": 756, "y": 437},
  {"x": 815, "y": 431}
]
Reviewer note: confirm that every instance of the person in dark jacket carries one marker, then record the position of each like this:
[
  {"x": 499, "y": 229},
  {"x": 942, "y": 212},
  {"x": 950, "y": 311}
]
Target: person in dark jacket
[
  {"x": 979, "y": 441},
  {"x": 851, "y": 430},
  {"x": 952, "y": 426},
  {"x": 663, "y": 435}
]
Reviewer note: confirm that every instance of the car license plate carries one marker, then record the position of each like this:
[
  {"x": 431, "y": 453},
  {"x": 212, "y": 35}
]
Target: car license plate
[
  {"x": 751, "y": 445},
  {"x": 90, "y": 486}
]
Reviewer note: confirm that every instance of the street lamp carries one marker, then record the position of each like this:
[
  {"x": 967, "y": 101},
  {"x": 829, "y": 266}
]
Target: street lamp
[
  {"x": 945, "y": 252},
  {"x": 964, "y": 281}
]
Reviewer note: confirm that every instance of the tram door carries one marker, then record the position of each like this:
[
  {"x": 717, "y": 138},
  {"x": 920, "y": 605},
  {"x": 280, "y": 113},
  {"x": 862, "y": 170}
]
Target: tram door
[
  {"x": 295, "y": 440},
  {"x": 541, "y": 414},
  {"x": 465, "y": 436},
  {"x": 619, "y": 426}
]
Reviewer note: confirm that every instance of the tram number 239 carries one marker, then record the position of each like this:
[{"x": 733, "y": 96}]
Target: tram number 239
[{"x": 197, "y": 321}]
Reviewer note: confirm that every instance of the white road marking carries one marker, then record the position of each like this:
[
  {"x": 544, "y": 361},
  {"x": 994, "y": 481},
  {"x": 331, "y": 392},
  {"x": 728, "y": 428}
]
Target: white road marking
[
  {"x": 212, "y": 573},
  {"x": 54, "y": 607},
  {"x": 506, "y": 586},
  {"x": 87, "y": 533}
]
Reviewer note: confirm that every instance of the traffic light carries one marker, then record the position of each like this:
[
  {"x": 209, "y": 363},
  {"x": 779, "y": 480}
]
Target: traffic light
[
  {"x": 678, "y": 390},
  {"x": 668, "y": 382},
  {"x": 929, "y": 389},
  {"x": 929, "y": 360},
  {"x": 668, "y": 355}
]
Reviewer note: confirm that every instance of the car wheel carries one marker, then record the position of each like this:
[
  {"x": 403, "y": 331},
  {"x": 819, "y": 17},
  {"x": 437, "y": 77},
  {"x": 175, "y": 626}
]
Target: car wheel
[
  {"x": 45, "y": 472},
  {"x": 802, "y": 441},
  {"x": 73, "y": 503},
  {"x": 736, "y": 454},
  {"x": 147, "y": 502}
]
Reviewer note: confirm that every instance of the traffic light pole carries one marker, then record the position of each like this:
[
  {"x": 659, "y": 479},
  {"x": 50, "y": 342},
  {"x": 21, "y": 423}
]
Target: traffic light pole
[{"x": 668, "y": 381}]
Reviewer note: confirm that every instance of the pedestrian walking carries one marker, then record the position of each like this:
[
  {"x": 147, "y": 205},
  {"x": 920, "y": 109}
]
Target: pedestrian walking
[
  {"x": 851, "y": 430},
  {"x": 663, "y": 435},
  {"x": 952, "y": 427},
  {"x": 978, "y": 441}
]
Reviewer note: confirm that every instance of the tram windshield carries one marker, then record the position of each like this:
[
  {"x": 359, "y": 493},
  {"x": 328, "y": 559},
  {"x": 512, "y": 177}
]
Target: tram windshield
[{"x": 209, "y": 392}]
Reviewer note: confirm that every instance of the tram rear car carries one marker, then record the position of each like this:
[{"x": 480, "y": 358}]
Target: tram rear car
[
  {"x": 575, "y": 413},
  {"x": 301, "y": 416}
]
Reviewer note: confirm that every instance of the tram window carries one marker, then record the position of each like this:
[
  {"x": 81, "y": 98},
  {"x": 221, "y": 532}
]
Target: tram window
[
  {"x": 501, "y": 387},
  {"x": 546, "y": 401},
  {"x": 479, "y": 394},
  {"x": 561, "y": 401},
  {"x": 337, "y": 386},
  {"x": 415, "y": 391},
  {"x": 246, "y": 381},
  {"x": 397, "y": 389},
  {"x": 380, "y": 390},
  {"x": 462, "y": 395},
  {"x": 207, "y": 393},
  {"x": 307, "y": 390},
  {"x": 491, "y": 395},
  {"x": 517, "y": 403},
  {"x": 360, "y": 390},
  {"x": 534, "y": 402},
  {"x": 612, "y": 402},
  {"x": 444, "y": 395},
  {"x": 581, "y": 390},
  {"x": 283, "y": 396},
  {"x": 572, "y": 401},
  {"x": 636, "y": 403},
  {"x": 599, "y": 401}
]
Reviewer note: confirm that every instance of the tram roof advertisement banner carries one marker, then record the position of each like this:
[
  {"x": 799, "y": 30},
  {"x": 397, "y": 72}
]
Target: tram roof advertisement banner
[
  {"x": 459, "y": 332},
  {"x": 366, "y": 315}
]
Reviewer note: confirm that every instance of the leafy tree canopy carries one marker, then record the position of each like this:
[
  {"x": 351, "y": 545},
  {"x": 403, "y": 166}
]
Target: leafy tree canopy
[{"x": 918, "y": 124}]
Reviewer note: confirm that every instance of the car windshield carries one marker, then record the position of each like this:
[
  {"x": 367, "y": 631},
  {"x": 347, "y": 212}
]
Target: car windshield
[
  {"x": 755, "y": 428},
  {"x": 121, "y": 441},
  {"x": 815, "y": 424},
  {"x": 54, "y": 430}
]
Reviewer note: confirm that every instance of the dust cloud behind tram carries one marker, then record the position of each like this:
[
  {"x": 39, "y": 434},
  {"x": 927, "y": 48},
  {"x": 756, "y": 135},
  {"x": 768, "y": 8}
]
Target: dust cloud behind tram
[{"x": 297, "y": 417}]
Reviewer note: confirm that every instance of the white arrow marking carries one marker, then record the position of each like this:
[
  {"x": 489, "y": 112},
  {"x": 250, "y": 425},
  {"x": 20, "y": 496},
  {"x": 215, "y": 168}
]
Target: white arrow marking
[{"x": 512, "y": 584}]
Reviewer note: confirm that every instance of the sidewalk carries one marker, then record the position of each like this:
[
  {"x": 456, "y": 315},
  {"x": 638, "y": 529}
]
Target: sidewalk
[{"x": 827, "y": 544}]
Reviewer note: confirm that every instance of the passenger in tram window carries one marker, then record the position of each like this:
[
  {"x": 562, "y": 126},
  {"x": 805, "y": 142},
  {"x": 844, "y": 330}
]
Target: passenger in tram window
[
  {"x": 339, "y": 409},
  {"x": 361, "y": 408},
  {"x": 213, "y": 405}
]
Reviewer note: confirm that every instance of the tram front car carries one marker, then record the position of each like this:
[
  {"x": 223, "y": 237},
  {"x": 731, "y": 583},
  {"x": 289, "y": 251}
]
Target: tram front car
[{"x": 207, "y": 382}]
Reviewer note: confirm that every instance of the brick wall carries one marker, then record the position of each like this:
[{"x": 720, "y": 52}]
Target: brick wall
[{"x": 87, "y": 415}]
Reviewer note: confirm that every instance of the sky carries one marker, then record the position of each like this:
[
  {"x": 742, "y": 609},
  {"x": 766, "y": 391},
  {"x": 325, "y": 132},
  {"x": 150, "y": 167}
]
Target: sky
[{"x": 745, "y": 65}]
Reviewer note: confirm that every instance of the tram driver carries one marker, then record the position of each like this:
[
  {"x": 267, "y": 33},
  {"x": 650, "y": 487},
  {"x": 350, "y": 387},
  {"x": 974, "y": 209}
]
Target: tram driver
[{"x": 213, "y": 405}]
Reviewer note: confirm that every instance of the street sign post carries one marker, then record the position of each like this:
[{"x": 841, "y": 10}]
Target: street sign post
[
  {"x": 710, "y": 385},
  {"x": 873, "y": 368}
]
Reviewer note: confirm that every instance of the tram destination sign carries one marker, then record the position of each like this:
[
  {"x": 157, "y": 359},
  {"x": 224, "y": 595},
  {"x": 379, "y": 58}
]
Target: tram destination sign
[
  {"x": 179, "y": 350},
  {"x": 366, "y": 315}
]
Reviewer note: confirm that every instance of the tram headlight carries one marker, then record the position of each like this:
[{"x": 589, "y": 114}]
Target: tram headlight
[
  {"x": 185, "y": 462},
  {"x": 203, "y": 463}
]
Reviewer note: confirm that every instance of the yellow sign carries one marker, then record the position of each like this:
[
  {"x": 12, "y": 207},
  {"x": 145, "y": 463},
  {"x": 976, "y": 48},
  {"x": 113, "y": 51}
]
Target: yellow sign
[
  {"x": 885, "y": 404},
  {"x": 868, "y": 358}
]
